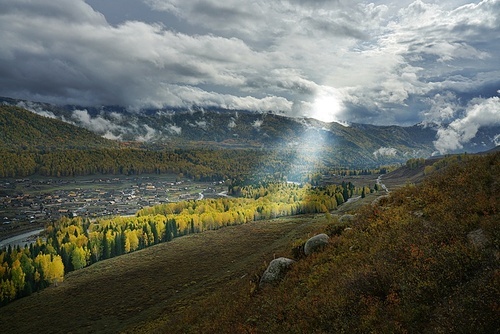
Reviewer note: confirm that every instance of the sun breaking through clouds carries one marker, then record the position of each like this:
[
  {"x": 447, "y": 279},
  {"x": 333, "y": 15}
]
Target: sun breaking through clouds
[{"x": 380, "y": 62}]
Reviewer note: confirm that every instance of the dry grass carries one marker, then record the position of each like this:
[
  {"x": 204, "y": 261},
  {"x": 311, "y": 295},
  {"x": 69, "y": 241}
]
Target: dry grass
[{"x": 132, "y": 291}]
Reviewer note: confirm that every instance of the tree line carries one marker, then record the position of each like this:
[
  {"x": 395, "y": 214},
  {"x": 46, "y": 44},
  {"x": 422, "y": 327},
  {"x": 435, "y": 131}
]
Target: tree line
[
  {"x": 195, "y": 164},
  {"x": 239, "y": 165}
]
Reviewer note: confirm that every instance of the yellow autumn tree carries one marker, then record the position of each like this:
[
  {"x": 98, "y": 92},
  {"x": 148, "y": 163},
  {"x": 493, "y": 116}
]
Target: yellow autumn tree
[
  {"x": 78, "y": 258},
  {"x": 56, "y": 270}
]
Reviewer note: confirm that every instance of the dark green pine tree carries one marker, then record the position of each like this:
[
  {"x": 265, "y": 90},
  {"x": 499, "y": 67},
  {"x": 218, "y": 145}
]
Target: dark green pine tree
[
  {"x": 118, "y": 245},
  {"x": 174, "y": 228},
  {"x": 168, "y": 232},
  {"x": 154, "y": 231},
  {"x": 106, "y": 251},
  {"x": 66, "y": 258},
  {"x": 345, "y": 194}
]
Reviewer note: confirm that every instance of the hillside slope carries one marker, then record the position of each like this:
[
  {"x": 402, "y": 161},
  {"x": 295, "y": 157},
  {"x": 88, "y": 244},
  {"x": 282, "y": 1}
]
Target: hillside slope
[
  {"x": 424, "y": 260},
  {"x": 22, "y": 129}
]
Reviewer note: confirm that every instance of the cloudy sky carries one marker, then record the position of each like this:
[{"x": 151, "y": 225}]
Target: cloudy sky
[{"x": 381, "y": 62}]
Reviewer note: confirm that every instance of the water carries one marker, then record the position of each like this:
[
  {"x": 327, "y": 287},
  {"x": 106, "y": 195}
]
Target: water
[{"x": 21, "y": 239}]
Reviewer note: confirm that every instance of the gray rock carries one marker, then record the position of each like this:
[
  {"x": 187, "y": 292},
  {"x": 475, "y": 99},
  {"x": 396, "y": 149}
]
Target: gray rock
[
  {"x": 418, "y": 213},
  {"x": 316, "y": 243},
  {"x": 478, "y": 239},
  {"x": 275, "y": 271}
]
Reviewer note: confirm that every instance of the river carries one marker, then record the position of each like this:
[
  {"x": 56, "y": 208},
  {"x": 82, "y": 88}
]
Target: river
[
  {"x": 379, "y": 182},
  {"x": 21, "y": 239}
]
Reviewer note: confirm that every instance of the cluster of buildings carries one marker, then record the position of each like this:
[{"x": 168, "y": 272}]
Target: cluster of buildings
[{"x": 41, "y": 200}]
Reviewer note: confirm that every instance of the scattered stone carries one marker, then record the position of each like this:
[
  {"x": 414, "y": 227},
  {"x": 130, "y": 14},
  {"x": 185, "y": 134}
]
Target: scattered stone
[
  {"x": 276, "y": 271},
  {"x": 478, "y": 239},
  {"x": 316, "y": 243},
  {"x": 418, "y": 213}
]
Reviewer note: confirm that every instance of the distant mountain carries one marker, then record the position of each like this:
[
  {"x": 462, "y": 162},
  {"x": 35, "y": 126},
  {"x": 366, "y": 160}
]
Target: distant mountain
[
  {"x": 22, "y": 129},
  {"x": 334, "y": 143}
]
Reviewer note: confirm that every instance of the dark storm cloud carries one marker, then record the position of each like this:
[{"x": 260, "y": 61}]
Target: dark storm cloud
[{"x": 382, "y": 62}]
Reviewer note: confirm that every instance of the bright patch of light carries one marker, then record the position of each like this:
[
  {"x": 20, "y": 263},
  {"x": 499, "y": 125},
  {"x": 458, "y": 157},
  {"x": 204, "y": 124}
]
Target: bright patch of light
[{"x": 326, "y": 106}]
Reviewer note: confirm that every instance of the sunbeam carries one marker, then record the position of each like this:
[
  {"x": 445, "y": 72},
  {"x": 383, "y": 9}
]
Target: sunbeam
[{"x": 327, "y": 105}]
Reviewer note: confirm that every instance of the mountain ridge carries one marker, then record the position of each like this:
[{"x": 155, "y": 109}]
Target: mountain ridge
[{"x": 341, "y": 144}]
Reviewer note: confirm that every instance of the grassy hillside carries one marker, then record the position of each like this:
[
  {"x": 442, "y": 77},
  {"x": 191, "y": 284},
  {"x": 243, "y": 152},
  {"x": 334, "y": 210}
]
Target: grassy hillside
[
  {"x": 426, "y": 259},
  {"x": 22, "y": 129}
]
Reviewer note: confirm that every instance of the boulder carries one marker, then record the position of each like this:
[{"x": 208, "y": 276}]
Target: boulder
[
  {"x": 275, "y": 271},
  {"x": 478, "y": 239},
  {"x": 316, "y": 243}
]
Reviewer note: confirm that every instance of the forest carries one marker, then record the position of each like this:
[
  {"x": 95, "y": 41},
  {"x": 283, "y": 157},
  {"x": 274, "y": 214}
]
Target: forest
[
  {"x": 72, "y": 244},
  {"x": 240, "y": 165}
]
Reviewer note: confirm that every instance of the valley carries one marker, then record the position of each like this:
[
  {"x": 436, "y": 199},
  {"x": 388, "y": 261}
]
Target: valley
[
  {"x": 253, "y": 167},
  {"x": 416, "y": 260},
  {"x": 28, "y": 204}
]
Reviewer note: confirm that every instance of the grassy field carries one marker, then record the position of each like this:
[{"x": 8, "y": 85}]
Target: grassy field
[{"x": 130, "y": 291}]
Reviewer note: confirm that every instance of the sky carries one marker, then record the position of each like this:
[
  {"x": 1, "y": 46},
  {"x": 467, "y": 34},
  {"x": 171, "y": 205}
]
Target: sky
[{"x": 382, "y": 62}]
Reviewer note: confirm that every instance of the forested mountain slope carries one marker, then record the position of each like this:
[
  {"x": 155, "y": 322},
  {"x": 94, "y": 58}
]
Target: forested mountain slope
[
  {"x": 22, "y": 129},
  {"x": 335, "y": 143},
  {"x": 149, "y": 142}
]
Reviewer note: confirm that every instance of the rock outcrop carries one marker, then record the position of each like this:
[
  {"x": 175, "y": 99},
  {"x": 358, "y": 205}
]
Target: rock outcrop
[
  {"x": 275, "y": 271},
  {"x": 316, "y": 243}
]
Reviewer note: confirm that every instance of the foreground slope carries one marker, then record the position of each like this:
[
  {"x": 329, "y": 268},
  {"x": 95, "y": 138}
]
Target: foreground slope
[{"x": 426, "y": 259}]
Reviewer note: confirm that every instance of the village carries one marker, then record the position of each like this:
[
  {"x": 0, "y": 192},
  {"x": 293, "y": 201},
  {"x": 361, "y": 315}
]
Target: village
[{"x": 41, "y": 200}]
